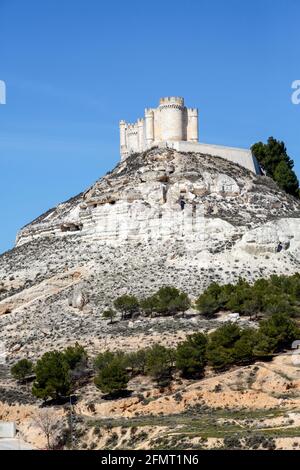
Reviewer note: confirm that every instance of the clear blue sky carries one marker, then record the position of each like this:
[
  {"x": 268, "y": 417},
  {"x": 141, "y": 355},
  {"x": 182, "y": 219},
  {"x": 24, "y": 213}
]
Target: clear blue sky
[{"x": 74, "y": 68}]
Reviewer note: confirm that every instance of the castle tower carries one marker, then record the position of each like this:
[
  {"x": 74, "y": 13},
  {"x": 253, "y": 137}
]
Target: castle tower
[
  {"x": 141, "y": 137},
  {"x": 192, "y": 125},
  {"x": 123, "y": 143},
  {"x": 132, "y": 138},
  {"x": 171, "y": 110},
  {"x": 149, "y": 126}
]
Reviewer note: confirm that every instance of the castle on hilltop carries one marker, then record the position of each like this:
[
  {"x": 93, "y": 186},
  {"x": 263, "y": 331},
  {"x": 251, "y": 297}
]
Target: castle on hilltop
[
  {"x": 174, "y": 125},
  {"x": 170, "y": 122}
]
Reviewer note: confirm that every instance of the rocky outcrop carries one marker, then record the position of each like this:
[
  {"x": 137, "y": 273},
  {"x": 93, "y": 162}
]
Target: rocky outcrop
[
  {"x": 77, "y": 299},
  {"x": 161, "y": 194}
]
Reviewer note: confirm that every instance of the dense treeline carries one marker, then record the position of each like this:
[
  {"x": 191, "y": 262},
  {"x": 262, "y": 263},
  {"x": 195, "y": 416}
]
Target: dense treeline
[
  {"x": 57, "y": 373},
  {"x": 276, "y": 163},
  {"x": 265, "y": 296}
]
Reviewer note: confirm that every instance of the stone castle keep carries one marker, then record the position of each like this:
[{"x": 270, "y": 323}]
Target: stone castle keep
[{"x": 174, "y": 125}]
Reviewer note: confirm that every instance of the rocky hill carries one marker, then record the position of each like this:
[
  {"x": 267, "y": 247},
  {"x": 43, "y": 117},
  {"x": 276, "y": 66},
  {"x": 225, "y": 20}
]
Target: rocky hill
[
  {"x": 163, "y": 194},
  {"x": 160, "y": 217}
]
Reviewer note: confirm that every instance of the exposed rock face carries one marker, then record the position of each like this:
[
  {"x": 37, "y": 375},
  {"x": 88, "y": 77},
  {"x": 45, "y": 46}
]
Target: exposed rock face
[
  {"x": 160, "y": 217},
  {"x": 77, "y": 299},
  {"x": 163, "y": 194}
]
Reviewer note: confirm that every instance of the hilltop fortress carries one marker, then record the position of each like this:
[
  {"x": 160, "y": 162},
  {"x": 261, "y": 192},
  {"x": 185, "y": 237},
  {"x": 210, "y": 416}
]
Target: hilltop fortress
[
  {"x": 169, "y": 187},
  {"x": 173, "y": 125},
  {"x": 170, "y": 122}
]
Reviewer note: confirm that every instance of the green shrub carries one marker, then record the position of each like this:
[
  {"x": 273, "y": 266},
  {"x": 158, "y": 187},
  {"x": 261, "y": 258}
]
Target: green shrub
[
  {"x": 230, "y": 344},
  {"x": 77, "y": 359},
  {"x": 244, "y": 346},
  {"x": 219, "y": 357},
  {"x": 210, "y": 302},
  {"x": 149, "y": 304},
  {"x": 105, "y": 358}
]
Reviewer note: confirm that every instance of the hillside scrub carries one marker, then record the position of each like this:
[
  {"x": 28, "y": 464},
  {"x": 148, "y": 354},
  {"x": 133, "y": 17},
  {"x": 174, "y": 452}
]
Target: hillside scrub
[{"x": 225, "y": 347}]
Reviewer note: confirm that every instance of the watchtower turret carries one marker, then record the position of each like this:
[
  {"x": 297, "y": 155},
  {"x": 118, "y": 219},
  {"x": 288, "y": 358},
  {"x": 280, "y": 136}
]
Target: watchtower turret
[{"x": 171, "y": 117}]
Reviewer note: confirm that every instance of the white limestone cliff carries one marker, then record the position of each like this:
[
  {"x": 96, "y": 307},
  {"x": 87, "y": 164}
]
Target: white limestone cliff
[{"x": 163, "y": 194}]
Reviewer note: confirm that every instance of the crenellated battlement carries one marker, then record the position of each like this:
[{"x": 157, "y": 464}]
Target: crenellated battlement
[
  {"x": 193, "y": 111},
  {"x": 171, "y": 100},
  {"x": 131, "y": 126}
]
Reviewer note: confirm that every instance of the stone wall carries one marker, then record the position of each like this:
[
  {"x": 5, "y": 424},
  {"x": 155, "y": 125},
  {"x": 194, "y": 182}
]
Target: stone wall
[{"x": 240, "y": 156}]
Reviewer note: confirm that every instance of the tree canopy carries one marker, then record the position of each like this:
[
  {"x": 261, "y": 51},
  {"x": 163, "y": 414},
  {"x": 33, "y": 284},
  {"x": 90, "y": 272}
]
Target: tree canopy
[
  {"x": 109, "y": 314},
  {"x": 75, "y": 356},
  {"x": 159, "y": 361},
  {"x": 127, "y": 305},
  {"x": 52, "y": 376},
  {"x": 166, "y": 301},
  {"x": 112, "y": 378},
  {"x": 191, "y": 355},
  {"x": 277, "y": 164},
  {"x": 22, "y": 369}
]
